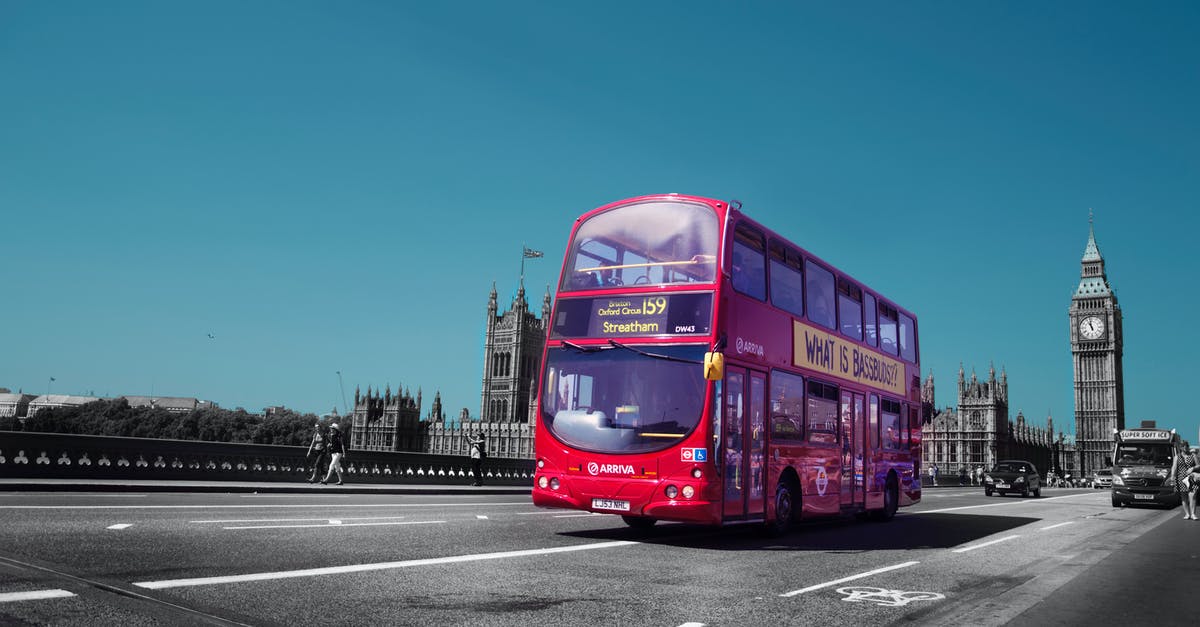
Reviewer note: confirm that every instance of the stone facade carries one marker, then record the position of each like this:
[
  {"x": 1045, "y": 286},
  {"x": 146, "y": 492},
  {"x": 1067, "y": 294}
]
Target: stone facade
[
  {"x": 979, "y": 433},
  {"x": 1096, "y": 352},
  {"x": 513, "y": 345},
  {"x": 386, "y": 421}
]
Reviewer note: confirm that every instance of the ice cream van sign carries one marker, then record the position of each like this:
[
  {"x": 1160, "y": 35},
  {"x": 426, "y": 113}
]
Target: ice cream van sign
[{"x": 818, "y": 350}]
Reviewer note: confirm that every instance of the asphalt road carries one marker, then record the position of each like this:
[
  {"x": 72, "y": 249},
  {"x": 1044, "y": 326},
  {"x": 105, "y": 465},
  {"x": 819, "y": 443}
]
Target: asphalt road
[{"x": 371, "y": 559}]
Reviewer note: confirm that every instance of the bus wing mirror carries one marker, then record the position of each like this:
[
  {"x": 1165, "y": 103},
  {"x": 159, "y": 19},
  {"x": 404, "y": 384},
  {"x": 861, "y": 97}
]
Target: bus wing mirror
[{"x": 714, "y": 366}]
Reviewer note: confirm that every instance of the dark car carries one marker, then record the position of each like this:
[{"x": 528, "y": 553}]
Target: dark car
[{"x": 1013, "y": 475}]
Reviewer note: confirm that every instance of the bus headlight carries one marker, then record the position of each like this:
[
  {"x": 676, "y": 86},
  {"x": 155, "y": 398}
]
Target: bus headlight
[
  {"x": 554, "y": 484},
  {"x": 688, "y": 491},
  {"x": 541, "y": 463},
  {"x": 1117, "y": 480},
  {"x": 543, "y": 482},
  {"x": 697, "y": 473},
  {"x": 672, "y": 492}
]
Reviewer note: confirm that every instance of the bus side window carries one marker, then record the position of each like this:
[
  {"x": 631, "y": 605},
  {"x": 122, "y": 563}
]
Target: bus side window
[
  {"x": 850, "y": 309},
  {"x": 887, "y": 328},
  {"x": 819, "y": 297},
  {"x": 787, "y": 406},
  {"x": 787, "y": 279},
  {"x": 749, "y": 264},
  {"x": 908, "y": 347},
  {"x": 873, "y": 428}
]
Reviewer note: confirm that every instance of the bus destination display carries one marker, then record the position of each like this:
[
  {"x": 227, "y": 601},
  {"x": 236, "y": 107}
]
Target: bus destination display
[{"x": 634, "y": 315}]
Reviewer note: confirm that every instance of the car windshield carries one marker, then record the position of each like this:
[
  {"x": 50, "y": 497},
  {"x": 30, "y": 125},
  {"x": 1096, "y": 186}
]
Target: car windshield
[
  {"x": 623, "y": 399},
  {"x": 1010, "y": 467},
  {"x": 647, "y": 243},
  {"x": 1144, "y": 455},
  {"x": 1104, "y": 473}
]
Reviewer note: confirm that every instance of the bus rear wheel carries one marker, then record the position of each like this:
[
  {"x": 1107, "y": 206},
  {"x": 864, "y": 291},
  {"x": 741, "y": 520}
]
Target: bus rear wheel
[
  {"x": 639, "y": 522},
  {"x": 891, "y": 502},
  {"x": 785, "y": 508}
]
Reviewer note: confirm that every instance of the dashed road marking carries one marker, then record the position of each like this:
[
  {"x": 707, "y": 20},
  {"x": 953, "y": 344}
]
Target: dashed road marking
[
  {"x": 358, "y": 568},
  {"x": 119, "y": 526},
  {"x": 980, "y": 546},
  {"x": 34, "y": 595},
  {"x": 266, "y": 520},
  {"x": 481, "y": 517},
  {"x": 850, "y": 578},
  {"x": 338, "y": 523},
  {"x": 1055, "y": 526}
]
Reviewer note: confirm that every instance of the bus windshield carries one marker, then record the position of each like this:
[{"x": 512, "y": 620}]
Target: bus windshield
[
  {"x": 648, "y": 243},
  {"x": 1157, "y": 454},
  {"x": 618, "y": 399}
]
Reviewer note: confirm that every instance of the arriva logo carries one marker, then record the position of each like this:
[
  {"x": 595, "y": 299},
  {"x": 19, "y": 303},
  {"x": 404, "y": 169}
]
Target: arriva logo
[
  {"x": 746, "y": 346},
  {"x": 609, "y": 469}
]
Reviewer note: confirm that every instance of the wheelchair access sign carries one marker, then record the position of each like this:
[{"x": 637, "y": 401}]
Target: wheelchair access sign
[{"x": 693, "y": 454}]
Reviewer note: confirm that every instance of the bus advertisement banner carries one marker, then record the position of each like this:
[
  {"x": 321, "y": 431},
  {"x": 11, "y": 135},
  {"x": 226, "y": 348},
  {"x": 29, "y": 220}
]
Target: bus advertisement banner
[{"x": 824, "y": 352}]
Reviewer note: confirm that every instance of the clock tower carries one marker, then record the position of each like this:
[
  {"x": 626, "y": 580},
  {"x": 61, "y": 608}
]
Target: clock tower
[{"x": 1096, "y": 348}]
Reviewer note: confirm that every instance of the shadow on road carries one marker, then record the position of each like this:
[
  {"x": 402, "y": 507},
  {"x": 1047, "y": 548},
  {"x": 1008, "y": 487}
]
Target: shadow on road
[{"x": 928, "y": 531}]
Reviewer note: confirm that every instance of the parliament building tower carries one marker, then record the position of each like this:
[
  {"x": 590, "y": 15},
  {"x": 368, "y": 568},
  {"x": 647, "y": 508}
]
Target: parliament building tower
[{"x": 1096, "y": 348}]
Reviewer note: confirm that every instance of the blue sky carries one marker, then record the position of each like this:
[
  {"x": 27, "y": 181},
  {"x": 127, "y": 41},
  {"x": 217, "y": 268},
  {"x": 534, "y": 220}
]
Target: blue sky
[{"x": 331, "y": 186}]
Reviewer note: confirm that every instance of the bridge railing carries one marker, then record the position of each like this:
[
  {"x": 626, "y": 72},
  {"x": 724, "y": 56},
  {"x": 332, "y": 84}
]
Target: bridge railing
[{"x": 28, "y": 454}]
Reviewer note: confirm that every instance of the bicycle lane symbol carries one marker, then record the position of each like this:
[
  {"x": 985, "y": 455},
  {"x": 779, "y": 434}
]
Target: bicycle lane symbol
[{"x": 885, "y": 597}]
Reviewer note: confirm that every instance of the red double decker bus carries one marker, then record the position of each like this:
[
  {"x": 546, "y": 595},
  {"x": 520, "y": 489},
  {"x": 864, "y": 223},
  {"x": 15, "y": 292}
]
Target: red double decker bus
[{"x": 701, "y": 368}]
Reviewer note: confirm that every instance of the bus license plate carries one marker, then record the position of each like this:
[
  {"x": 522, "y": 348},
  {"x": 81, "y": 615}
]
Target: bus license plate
[
  {"x": 620, "y": 506},
  {"x": 1145, "y": 497}
]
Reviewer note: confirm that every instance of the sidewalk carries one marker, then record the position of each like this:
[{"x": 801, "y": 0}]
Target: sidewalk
[
  {"x": 262, "y": 487},
  {"x": 1150, "y": 581}
]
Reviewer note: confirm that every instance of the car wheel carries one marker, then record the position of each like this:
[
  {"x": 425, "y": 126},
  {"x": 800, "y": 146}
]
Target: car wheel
[
  {"x": 987, "y": 492},
  {"x": 1037, "y": 493},
  {"x": 1117, "y": 502}
]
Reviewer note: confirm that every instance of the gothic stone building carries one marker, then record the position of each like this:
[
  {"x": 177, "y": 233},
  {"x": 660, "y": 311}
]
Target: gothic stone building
[
  {"x": 1096, "y": 349},
  {"x": 979, "y": 433},
  {"x": 386, "y": 421},
  {"x": 512, "y": 359}
]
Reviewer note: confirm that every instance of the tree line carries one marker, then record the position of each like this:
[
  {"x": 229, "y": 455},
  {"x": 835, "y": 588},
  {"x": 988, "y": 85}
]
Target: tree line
[{"x": 209, "y": 424}]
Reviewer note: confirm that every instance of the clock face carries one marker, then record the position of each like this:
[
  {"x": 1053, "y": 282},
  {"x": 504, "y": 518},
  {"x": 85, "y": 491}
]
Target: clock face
[{"x": 1091, "y": 327}]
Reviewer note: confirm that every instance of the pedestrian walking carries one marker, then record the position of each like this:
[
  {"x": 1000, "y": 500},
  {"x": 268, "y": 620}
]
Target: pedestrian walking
[
  {"x": 337, "y": 452},
  {"x": 1187, "y": 475},
  {"x": 478, "y": 454},
  {"x": 318, "y": 451},
  {"x": 933, "y": 473}
]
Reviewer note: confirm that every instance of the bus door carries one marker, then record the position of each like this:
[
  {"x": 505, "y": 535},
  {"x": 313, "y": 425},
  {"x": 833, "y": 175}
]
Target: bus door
[
  {"x": 853, "y": 425},
  {"x": 743, "y": 443}
]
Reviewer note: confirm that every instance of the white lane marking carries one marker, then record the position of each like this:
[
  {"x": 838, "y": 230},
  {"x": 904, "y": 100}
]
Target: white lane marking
[
  {"x": 481, "y": 517},
  {"x": 262, "y": 520},
  {"x": 1058, "y": 525},
  {"x": 582, "y": 515},
  {"x": 692, "y": 625},
  {"x": 120, "y": 526},
  {"x": 34, "y": 595},
  {"x": 850, "y": 578},
  {"x": 306, "y": 505},
  {"x": 1021, "y": 502},
  {"x": 538, "y": 513},
  {"x": 293, "y": 496},
  {"x": 358, "y": 568},
  {"x": 338, "y": 523},
  {"x": 980, "y": 546}
]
